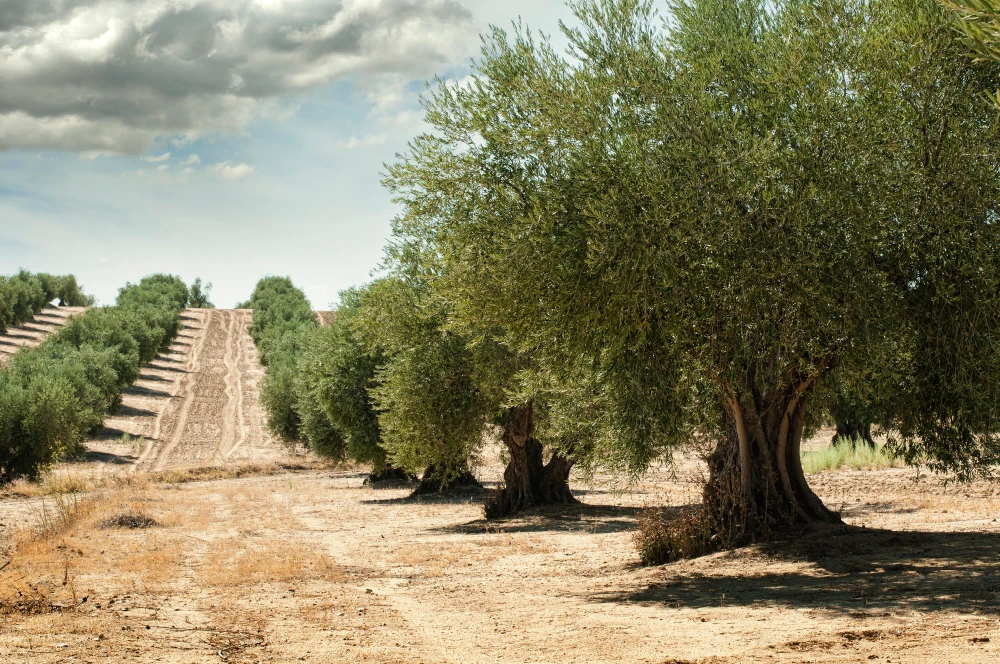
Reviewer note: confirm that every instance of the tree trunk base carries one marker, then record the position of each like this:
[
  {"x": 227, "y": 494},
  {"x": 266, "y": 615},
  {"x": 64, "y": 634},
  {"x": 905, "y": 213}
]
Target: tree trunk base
[
  {"x": 389, "y": 474},
  {"x": 433, "y": 482},
  {"x": 528, "y": 483},
  {"x": 854, "y": 433},
  {"x": 777, "y": 498}
]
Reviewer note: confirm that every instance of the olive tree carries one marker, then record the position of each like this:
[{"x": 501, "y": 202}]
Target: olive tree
[
  {"x": 334, "y": 373},
  {"x": 718, "y": 210},
  {"x": 431, "y": 409}
]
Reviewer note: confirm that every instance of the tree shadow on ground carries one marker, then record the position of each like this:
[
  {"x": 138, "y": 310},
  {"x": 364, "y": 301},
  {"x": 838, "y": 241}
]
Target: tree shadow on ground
[
  {"x": 114, "y": 434},
  {"x": 846, "y": 569},
  {"x": 461, "y": 496},
  {"x": 153, "y": 366},
  {"x": 140, "y": 391},
  {"x": 38, "y": 329},
  {"x": 108, "y": 457},
  {"x": 168, "y": 360},
  {"x": 16, "y": 335},
  {"x": 579, "y": 518},
  {"x": 131, "y": 411}
]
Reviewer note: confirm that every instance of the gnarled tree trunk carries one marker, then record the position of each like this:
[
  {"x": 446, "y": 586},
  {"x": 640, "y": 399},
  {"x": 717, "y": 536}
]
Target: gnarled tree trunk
[
  {"x": 527, "y": 481},
  {"x": 388, "y": 474},
  {"x": 854, "y": 432},
  {"x": 756, "y": 485},
  {"x": 434, "y": 481}
]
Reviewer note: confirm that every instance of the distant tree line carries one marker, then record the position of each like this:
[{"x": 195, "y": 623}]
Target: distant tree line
[
  {"x": 55, "y": 395},
  {"x": 25, "y": 294}
]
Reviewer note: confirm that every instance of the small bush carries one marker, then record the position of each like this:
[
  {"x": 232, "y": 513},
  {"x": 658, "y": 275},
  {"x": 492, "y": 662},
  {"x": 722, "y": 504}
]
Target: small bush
[
  {"x": 132, "y": 518},
  {"x": 662, "y": 538},
  {"x": 282, "y": 319}
]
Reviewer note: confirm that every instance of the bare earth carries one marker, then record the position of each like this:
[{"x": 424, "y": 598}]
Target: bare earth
[
  {"x": 32, "y": 333},
  {"x": 312, "y": 566},
  {"x": 195, "y": 405}
]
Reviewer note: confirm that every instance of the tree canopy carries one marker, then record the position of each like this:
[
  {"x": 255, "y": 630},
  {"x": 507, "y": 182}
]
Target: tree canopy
[{"x": 715, "y": 211}]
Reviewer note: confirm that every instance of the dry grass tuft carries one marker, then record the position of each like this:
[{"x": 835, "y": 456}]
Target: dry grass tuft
[
  {"x": 55, "y": 517},
  {"x": 237, "y": 562},
  {"x": 63, "y": 483},
  {"x": 132, "y": 518},
  {"x": 204, "y": 473}
]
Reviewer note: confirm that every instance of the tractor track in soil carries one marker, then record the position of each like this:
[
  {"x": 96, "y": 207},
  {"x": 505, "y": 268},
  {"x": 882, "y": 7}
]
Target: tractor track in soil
[{"x": 195, "y": 405}]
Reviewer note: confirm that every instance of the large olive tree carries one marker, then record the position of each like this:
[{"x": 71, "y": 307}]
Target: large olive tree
[{"x": 716, "y": 211}]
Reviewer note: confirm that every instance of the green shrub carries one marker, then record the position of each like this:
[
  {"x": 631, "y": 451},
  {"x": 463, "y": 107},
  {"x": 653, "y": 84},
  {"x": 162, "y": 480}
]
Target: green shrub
[
  {"x": 278, "y": 306},
  {"x": 277, "y": 390},
  {"x": 334, "y": 374}
]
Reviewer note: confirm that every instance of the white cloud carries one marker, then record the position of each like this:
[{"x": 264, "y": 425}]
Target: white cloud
[
  {"x": 163, "y": 157},
  {"x": 162, "y": 167},
  {"x": 113, "y": 76},
  {"x": 227, "y": 170},
  {"x": 365, "y": 141},
  {"x": 191, "y": 160}
]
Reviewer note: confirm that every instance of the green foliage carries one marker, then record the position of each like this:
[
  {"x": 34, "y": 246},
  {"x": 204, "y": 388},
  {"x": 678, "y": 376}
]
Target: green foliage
[
  {"x": 199, "y": 295},
  {"x": 282, "y": 318},
  {"x": 65, "y": 289},
  {"x": 161, "y": 290},
  {"x": 979, "y": 20},
  {"x": 278, "y": 390},
  {"x": 278, "y": 307},
  {"x": 334, "y": 375},
  {"x": 757, "y": 195},
  {"x": 25, "y": 294},
  {"x": 431, "y": 404},
  {"x": 53, "y": 396}
]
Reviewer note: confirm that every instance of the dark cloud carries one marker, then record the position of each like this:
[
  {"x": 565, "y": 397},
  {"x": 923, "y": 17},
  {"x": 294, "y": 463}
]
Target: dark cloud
[{"x": 113, "y": 75}]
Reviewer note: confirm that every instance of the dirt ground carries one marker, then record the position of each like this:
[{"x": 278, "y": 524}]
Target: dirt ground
[
  {"x": 315, "y": 567},
  {"x": 32, "y": 333},
  {"x": 195, "y": 405},
  {"x": 312, "y": 566}
]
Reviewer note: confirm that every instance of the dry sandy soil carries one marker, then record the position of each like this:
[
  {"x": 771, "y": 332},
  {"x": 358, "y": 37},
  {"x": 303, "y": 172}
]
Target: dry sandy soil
[
  {"x": 195, "y": 405},
  {"x": 313, "y": 566},
  {"x": 32, "y": 333}
]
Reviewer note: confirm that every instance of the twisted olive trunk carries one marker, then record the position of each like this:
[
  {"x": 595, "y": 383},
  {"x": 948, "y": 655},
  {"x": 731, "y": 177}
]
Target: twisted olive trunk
[
  {"x": 756, "y": 483},
  {"x": 387, "y": 473},
  {"x": 527, "y": 481},
  {"x": 853, "y": 432},
  {"x": 435, "y": 481}
]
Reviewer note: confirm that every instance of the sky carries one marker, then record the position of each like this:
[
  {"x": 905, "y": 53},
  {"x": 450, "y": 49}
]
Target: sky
[{"x": 221, "y": 139}]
